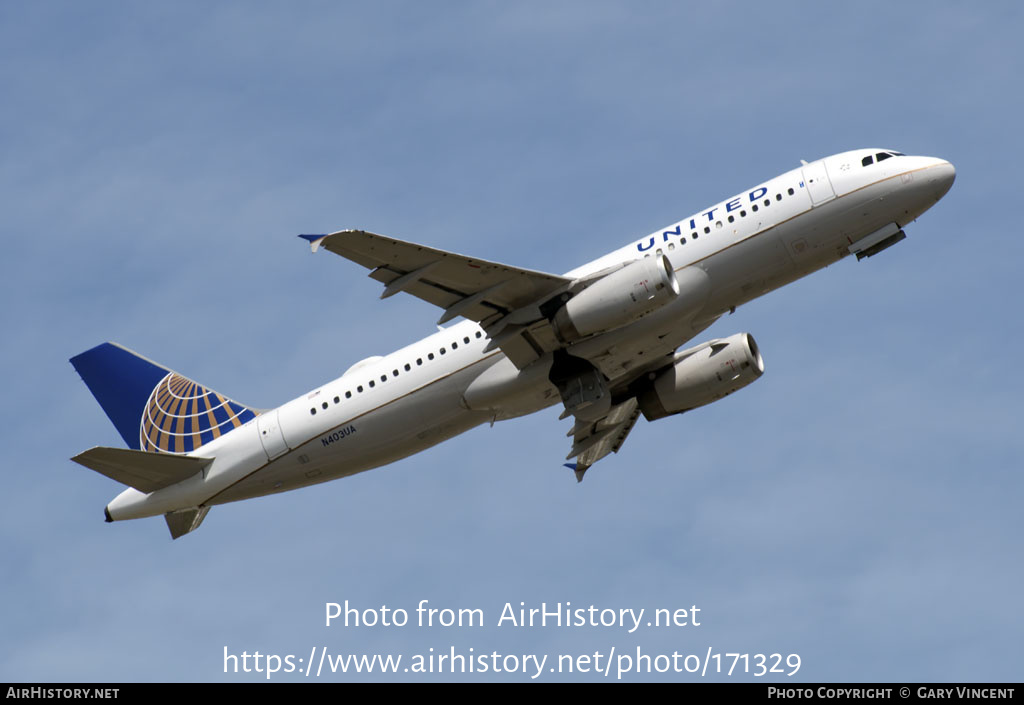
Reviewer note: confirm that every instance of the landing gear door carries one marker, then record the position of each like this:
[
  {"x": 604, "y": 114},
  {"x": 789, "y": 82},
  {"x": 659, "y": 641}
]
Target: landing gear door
[
  {"x": 818, "y": 185},
  {"x": 270, "y": 434}
]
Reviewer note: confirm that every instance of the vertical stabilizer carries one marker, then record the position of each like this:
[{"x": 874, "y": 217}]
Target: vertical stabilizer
[{"x": 153, "y": 408}]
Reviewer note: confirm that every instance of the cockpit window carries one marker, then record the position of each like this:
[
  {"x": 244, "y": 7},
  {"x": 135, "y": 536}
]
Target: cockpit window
[{"x": 880, "y": 156}]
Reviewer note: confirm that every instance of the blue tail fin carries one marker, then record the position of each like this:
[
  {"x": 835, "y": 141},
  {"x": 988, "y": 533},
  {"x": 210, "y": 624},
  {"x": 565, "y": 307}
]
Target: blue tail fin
[{"x": 153, "y": 408}]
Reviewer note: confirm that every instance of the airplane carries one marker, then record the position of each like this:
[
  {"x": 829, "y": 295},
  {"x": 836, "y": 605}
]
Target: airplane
[{"x": 603, "y": 340}]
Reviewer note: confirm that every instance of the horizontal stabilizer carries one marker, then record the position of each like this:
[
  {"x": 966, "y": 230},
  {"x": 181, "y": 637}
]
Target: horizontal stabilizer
[
  {"x": 185, "y": 520},
  {"x": 146, "y": 472}
]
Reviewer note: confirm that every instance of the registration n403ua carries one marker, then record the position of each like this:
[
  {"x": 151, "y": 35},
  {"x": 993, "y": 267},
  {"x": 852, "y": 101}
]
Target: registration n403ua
[{"x": 607, "y": 341}]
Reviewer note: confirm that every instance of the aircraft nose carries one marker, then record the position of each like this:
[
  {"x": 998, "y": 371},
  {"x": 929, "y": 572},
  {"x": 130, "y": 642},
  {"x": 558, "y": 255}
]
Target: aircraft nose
[{"x": 942, "y": 175}]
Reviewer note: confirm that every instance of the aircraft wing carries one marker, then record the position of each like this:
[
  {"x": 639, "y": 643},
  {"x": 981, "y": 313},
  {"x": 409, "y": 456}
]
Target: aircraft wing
[
  {"x": 505, "y": 300},
  {"x": 592, "y": 441}
]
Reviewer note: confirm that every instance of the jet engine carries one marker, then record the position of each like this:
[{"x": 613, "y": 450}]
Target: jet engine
[
  {"x": 617, "y": 299},
  {"x": 702, "y": 375}
]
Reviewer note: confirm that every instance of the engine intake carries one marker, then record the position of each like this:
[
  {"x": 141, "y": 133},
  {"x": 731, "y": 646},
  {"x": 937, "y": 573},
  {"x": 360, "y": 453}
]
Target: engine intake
[{"x": 702, "y": 375}]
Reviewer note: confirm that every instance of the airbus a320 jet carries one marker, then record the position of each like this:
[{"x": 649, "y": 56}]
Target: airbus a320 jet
[{"x": 604, "y": 341}]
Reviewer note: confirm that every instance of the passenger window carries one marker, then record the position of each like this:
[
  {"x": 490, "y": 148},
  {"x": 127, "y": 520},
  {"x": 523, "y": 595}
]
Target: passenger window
[
  {"x": 312, "y": 412},
  {"x": 337, "y": 400},
  {"x": 348, "y": 394},
  {"x": 790, "y": 192},
  {"x": 407, "y": 367},
  {"x": 372, "y": 384},
  {"x": 324, "y": 405},
  {"x": 359, "y": 389}
]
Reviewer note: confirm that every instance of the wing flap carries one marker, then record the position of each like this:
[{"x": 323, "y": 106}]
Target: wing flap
[{"x": 146, "y": 472}]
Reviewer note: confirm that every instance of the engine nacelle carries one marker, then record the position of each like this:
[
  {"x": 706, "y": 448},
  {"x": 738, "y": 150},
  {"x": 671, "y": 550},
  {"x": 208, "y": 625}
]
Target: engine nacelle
[
  {"x": 703, "y": 375},
  {"x": 617, "y": 299}
]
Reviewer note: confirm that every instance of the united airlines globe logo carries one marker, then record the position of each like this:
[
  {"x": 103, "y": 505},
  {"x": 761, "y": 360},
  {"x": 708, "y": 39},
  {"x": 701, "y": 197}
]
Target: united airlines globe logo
[{"x": 182, "y": 415}]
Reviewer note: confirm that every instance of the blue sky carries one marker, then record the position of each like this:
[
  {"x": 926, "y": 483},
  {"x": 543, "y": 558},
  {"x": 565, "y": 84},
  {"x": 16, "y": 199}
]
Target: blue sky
[{"x": 858, "y": 506}]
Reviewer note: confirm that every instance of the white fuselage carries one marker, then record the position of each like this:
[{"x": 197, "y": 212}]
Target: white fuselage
[{"x": 392, "y": 407}]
